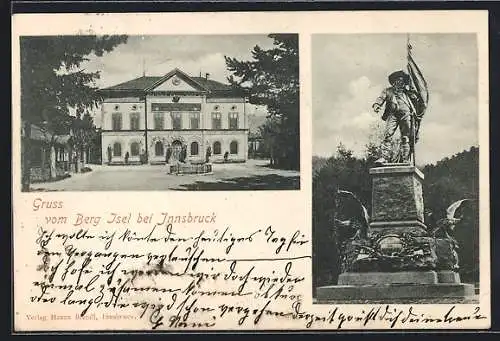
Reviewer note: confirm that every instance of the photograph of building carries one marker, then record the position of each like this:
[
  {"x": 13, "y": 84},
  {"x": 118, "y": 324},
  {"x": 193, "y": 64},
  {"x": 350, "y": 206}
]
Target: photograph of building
[
  {"x": 144, "y": 117},
  {"x": 162, "y": 112}
]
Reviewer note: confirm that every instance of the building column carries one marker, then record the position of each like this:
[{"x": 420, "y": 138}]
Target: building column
[
  {"x": 26, "y": 158},
  {"x": 53, "y": 172},
  {"x": 42, "y": 161}
]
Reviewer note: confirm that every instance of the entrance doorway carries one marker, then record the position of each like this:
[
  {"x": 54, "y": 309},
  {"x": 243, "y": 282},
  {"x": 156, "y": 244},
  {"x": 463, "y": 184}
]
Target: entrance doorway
[{"x": 176, "y": 150}]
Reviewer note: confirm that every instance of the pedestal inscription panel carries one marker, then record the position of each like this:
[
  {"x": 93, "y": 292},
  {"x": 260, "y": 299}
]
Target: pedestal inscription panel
[{"x": 397, "y": 194}]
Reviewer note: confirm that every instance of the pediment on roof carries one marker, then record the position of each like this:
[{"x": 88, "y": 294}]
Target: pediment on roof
[{"x": 177, "y": 81}]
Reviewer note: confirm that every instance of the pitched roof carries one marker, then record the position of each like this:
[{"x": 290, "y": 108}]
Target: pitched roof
[
  {"x": 141, "y": 83},
  {"x": 123, "y": 100},
  {"x": 212, "y": 85},
  {"x": 147, "y": 83}
]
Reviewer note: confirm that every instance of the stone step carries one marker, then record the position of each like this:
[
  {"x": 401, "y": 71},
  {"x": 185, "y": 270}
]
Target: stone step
[
  {"x": 394, "y": 291},
  {"x": 371, "y": 278}
]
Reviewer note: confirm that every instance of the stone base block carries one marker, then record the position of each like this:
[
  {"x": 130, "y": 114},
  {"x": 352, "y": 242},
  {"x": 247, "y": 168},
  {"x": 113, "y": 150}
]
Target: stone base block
[
  {"x": 397, "y": 194},
  {"x": 402, "y": 277},
  {"x": 393, "y": 291},
  {"x": 413, "y": 227},
  {"x": 188, "y": 168},
  {"x": 448, "y": 277}
]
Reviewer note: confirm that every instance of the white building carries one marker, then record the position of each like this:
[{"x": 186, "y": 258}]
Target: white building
[{"x": 147, "y": 115}]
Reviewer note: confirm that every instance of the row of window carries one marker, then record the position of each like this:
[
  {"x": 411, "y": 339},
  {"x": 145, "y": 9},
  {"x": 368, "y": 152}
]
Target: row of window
[
  {"x": 159, "y": 121},
  {"x": 134, "y": 149},
  {"x": 116, "y": 119},
  {"x": 134, "y": 106},
  {"x": 160, "y": 150}
]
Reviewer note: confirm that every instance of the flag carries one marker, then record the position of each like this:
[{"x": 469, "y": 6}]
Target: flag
[
  {"x": 418, "y": 84},
  {"x": 420, "y": 88}
]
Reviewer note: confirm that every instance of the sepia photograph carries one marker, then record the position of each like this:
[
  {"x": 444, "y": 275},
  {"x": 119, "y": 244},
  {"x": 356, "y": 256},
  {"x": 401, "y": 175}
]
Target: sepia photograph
[
  {"x": 395, "y": 168},
  {"x": 160, "y": 112}
]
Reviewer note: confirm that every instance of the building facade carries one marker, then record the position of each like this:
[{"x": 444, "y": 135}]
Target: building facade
[
  {"x": 50, "y": 156},
  {"x": 147, "y": 118}
]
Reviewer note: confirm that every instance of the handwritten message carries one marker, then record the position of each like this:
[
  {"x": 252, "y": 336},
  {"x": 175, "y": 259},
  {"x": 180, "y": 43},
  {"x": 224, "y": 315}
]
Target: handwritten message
[{"x": 186, "y": 270}]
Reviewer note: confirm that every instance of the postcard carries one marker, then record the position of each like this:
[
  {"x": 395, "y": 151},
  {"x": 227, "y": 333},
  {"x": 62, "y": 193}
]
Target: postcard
[{"x": 250, "y": 171}]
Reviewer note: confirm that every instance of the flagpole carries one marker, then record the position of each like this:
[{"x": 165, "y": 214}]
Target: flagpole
[{"x": 408, "y": 51}]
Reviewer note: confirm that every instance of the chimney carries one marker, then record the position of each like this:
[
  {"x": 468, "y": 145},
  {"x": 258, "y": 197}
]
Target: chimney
[{"x": 207, "y": 75}]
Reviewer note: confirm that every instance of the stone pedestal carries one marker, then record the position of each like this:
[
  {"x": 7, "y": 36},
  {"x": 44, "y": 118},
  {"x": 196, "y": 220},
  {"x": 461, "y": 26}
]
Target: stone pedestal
[
  {"x": 389, "y": 291},
  {"x": 402, "y": 258},
  {"x": 400, "y": 277},
  {"x": 397, "y": 201}
]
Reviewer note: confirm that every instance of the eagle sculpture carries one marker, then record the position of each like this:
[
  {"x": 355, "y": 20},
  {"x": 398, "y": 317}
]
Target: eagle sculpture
[
  {"x": 447, "y": 224},
  {"x": 359, "y": 220}
]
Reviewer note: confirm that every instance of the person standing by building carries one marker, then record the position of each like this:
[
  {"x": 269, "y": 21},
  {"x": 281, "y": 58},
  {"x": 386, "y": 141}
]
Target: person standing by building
[
  {"x": 109, "y": 155},
  {"x": 208, "y": 154},
  {"x": 168, "y": 154}
]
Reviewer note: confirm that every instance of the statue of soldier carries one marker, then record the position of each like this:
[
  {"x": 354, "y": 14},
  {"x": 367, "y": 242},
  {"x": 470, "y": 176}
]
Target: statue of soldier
[{"x": 399, "y": 110}]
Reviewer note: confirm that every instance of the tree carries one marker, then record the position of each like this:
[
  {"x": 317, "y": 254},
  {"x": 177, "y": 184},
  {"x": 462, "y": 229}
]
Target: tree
[
  {"x": 372, "y": 153},
  {"x": 83, "y": 132},
  {"x": 95, "y": 147},
  {"x": 53, "y": 82},
  {"x": 270, "y": 132},
  {"x": 451, "y": 179},
  {"x": 272, "y": 79},
  {"x": 342, "y": 171}
]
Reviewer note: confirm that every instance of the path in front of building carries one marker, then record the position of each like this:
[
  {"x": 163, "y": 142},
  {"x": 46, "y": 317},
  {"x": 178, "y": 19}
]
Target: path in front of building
[{"x": 252, "y": 175}]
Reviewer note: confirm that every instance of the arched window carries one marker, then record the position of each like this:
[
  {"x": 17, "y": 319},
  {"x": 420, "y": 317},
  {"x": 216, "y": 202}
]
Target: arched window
[
  {"x": 194, "y": 148},
  {"x": 159, "y": 148},
  {"x": 217, "y": 148},
  {"x": 117, "y": 149},
  {"x": 233, "y": 147},
  {"x": 134, "y": 149}
]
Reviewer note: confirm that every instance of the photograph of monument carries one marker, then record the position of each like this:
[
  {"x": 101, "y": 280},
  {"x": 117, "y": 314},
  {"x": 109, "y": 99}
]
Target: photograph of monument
[
  {"x": 395, "y": 168},
  {"x": 162, "y": 112}
]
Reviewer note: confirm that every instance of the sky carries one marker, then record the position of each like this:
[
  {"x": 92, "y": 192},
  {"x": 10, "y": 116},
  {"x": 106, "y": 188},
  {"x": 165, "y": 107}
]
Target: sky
[
  {"x": 162, "y": 53},
  {"x": 350, "y": 71}
]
